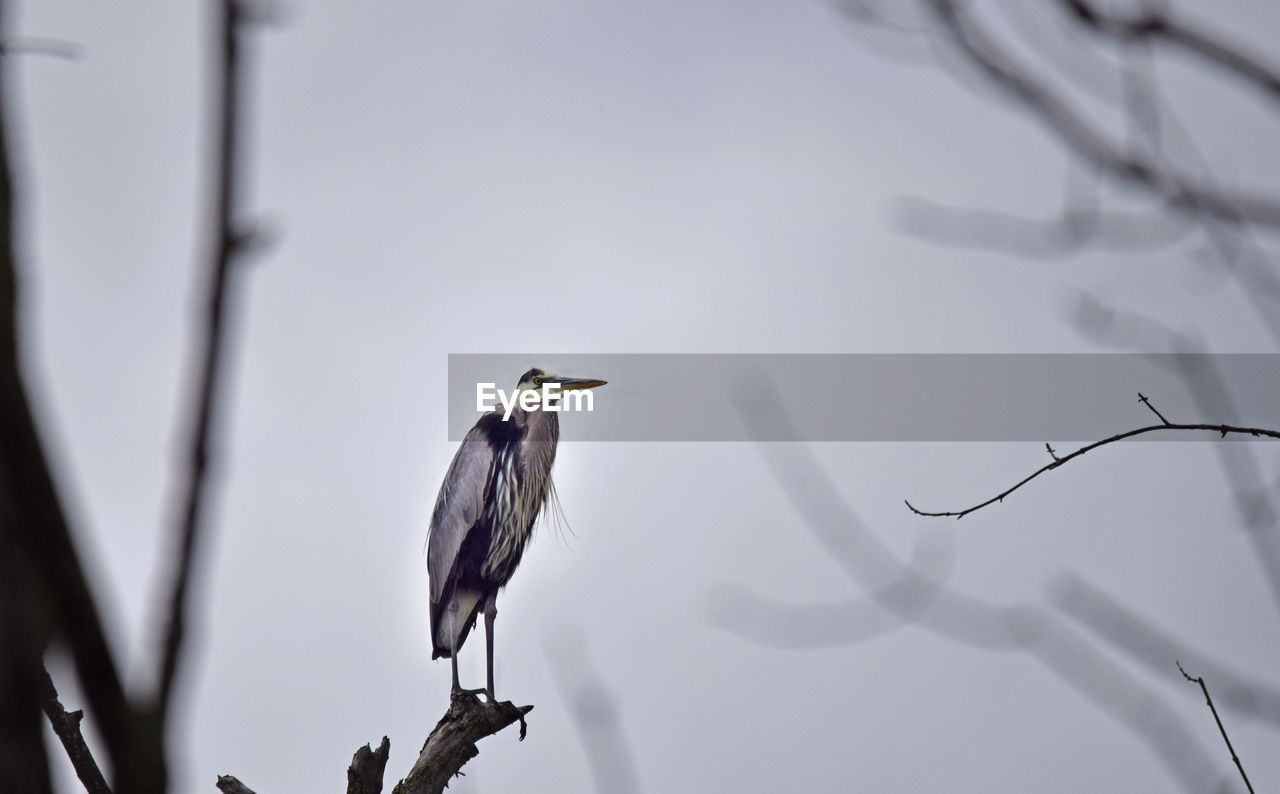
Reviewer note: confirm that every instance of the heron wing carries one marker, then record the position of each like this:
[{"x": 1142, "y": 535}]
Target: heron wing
[{"x": 458, "y": 507}]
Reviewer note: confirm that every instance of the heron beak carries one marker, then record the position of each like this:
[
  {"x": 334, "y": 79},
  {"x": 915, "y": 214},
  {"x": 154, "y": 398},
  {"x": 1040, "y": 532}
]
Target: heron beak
[{"x": 569, "y": 384}]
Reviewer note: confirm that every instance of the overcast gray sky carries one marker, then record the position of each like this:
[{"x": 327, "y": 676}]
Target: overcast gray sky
[{"x": 609, "y": 177}]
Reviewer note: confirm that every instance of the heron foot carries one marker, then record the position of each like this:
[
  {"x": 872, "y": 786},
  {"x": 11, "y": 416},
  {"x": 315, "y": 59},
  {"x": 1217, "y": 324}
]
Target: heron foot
[{"x": 457, "y": 690}]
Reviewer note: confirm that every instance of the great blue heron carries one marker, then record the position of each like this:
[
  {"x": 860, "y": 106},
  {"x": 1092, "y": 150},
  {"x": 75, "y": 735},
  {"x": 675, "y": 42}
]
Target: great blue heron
[{"x": 496, "y": 486}]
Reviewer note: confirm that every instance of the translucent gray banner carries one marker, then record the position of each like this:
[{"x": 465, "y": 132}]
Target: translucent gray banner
[{"x": 885, "y": 397}]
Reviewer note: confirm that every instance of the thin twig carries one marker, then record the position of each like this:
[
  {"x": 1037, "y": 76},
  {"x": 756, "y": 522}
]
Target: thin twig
[
  {"x": 1222, "y": 430},
  {"x": 1222, "y": 729},
  {"x": 225, "y": 246},
  {"x": 1142, "y": 398}
]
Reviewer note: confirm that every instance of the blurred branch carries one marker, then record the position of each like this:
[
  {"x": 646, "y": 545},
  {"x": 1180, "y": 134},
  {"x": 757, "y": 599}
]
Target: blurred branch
[
  {"x": 1092, "y": 144},
  {"x": 1075, "y": 228},
  {"x": 24, "y": 632},
  {"x": 1156, "y": 153},
  {"x": 1064, "y": 51},
  {"x": 227, "y": 242},
  {"x": 67, "y": 727},
  {"x": 453, "y": 741},
  {"x": 36, "y": 532},
  {"x": 1149, "y": 645},
  {"x": 595, "y": 712},
  {"x": 976, "y": 623},
  {"x": 1160, "y": 25},
  {"x": 795, "y": 626},
  {"x": 1251, "y": 493},
  {"x": 35, "y": 45},
  {"x": 46, "y": 571},
  {"x": 869, "y": 13},
  {"x": 1221, "y": 728},
  {"x": 1222, "y": 430},
  {"x": 820, "y": 625}
]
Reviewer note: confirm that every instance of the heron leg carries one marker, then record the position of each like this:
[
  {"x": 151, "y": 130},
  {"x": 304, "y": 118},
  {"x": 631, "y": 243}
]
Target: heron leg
[
  {"x": 490, "y": 612},
  {"x": 453, "y": 641},
  {"x": 453, "y": 653}
]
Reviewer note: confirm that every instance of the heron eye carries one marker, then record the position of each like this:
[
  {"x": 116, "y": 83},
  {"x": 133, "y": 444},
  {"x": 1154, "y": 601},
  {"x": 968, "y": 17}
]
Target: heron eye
[{"x": 537, "y": 381}]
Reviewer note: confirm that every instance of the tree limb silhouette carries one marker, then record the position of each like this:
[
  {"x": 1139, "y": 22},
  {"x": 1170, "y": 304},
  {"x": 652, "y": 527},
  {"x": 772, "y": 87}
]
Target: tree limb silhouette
[{"x": 1222, "y": 430}]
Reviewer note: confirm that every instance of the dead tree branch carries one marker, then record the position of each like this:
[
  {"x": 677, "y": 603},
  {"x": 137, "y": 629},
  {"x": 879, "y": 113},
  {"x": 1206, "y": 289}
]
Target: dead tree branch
[
  {"x": 228, "y": 784},
  {"x": 1222, "y": 430},
  {"x": 1221, "y": 728},
  {"x": 67, "y": 727},
  {"x": 453, "y": 741},
  {"x": 364, "y": 776},
  {"x": 449, "y": 747}
]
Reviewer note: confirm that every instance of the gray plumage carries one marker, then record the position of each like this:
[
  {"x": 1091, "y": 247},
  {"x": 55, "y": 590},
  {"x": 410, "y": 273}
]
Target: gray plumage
[{"x": 492, "y": 495}]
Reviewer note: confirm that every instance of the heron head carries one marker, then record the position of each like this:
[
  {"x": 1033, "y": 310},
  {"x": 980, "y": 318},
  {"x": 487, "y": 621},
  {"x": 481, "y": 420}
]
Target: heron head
[{"x": 539, "y": 380}]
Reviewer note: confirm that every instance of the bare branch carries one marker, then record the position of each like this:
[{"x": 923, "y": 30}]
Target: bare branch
[
  {"x": 1222, "y": 430},
  {"x": 67, "y": 727},
  {"x": 901, "y": 601},
  {"x": 1221, "y": 728},
  {"x": 453, "y": 741},
  {"x": 596, "y": 713}
]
